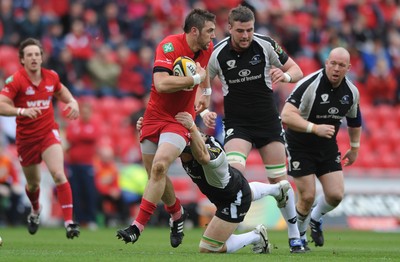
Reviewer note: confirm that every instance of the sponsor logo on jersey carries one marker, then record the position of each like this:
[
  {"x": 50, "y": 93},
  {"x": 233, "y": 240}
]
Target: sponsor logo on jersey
[
  {"x": 229, "y": 132},
  {"x": 338, "y": 159},
  {"x": 333, "y": 110},
  {"x": 6, "y": 90},
  {"x": 278, "y": 49},
  {"x": 231, "y": 64},
  {"x": 324, "y": 98},
  {"x": 255, "y": 60},
  {"x": 49, "y": 88},
  {"x": 29, "y": 91},
  {"x": 41, "y": 104},
  {"x": 244, "y": 72},
  {"x": 168, "y": 47},
  {"x": 345, "y": 100},
  {"x": 9, "y": 79}
]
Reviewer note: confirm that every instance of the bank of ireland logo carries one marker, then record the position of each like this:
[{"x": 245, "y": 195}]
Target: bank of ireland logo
[
  {"x": 168, "y": 47},
  {"x": 333, "y": 111},
  {"x": 244, "y": 72},
  {"x": 296, "y": 165}
]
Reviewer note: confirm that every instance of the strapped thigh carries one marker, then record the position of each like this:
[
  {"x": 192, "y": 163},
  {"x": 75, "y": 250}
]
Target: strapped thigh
[{"x": 211, "y": 244}]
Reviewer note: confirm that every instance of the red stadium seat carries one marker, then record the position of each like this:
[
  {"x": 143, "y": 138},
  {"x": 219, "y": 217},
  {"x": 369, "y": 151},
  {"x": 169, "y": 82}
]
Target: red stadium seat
[
  {"x": 307, "y": 64},
  {"x": 108, "y": 106},
  {"x": 254, "y": 158},
  {"x": 185, "y": 189},
  {"x": 130, "y": 105},
  {"x": 9, "y": 60}
]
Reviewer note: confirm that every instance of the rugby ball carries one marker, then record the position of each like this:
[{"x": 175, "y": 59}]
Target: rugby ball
[{"x": 184, "y": 66}]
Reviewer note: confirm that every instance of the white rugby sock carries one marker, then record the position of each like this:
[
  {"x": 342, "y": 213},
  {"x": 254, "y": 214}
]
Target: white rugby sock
[
  {"x": 261, "y": 190},
  {"x": 236, "y": 242},
  {"x": 289, "y": 214},
  {"x": 321, "y": 208}
]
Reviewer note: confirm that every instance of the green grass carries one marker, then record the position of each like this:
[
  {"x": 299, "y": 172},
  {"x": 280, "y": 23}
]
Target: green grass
[{"x": 50, "y": 244}]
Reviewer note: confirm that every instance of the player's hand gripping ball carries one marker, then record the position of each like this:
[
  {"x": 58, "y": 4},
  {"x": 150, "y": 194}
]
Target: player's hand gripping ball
[{"x": 184, "y": 66}]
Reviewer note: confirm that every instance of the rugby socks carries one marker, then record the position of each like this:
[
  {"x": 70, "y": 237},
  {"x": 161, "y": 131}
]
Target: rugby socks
[
  {"x": 289, "y": 214},
  {"x": 146, "y": 210},
  {"x": 175, "y": 210},
  {"x": 261, "y": 190},
  {"x": 302, "y": 223},
  {"x": 321, "y": 208},
  {"x": 236, "y": 242},
  {"x": 34, "y": 199},
  {"x": 64, "y": 195}
]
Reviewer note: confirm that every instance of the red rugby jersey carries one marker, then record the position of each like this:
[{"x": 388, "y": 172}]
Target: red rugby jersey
[
  {"x": 166, "y": 105},
  {"x": 25, "y": 94}
]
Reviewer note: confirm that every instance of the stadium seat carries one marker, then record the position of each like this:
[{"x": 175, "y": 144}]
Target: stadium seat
[
  {"x": 254, "y": 158},
  {"x": 384, "y": 112},
  {"x": 185, "y": 189},
  {"x": 108, "y": 106},
  {"x": 388, "y": 160},
  {"x": 377, "y": 137},
  {"x": 9, "y": 62},
  {"x": 307, "y": 64},
  {"x": 130, "y": 105},
  {"x": 342, "y": 136}
]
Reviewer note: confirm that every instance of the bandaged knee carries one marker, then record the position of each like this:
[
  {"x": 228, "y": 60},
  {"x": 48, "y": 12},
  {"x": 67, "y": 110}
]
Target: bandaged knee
[
  {"x": 274, "y": 171},
  {"x": 211, "y": 244},
  {"x": 236, "y": 158}
]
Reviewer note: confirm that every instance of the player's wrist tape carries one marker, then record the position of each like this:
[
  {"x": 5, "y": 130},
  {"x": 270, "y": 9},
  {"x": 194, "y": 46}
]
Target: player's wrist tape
[
  {"x": 20, "y": 111},
  {"x": 287, "y": 77},
  {"x": 207, "y": 91},
  {"x": 355, "y": 144},
  {"x": 310, "y": 128},
  {"x": 196, "y": 79},
  {"x": 190, "y": 128},
  {"x": 204, "y": 112}
]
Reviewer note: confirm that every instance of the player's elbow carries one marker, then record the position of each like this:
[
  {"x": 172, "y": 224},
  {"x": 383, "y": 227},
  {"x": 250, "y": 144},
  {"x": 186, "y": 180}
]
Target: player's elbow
[
  {"x": 285, "y": 116},
  {"x": 161, "y": 88}
]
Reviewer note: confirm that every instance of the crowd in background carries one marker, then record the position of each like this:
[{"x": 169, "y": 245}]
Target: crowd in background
[{"x": 103, "y": 48}]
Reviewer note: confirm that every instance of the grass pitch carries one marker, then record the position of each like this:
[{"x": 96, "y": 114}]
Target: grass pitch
[{"x": 50, "y": 244}]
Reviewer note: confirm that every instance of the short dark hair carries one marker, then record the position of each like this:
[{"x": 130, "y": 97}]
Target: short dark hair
[
  {"x": 27, "y": 42},
  {"x": 197, "y": 18},
  {"x": 240, "y": 14}
]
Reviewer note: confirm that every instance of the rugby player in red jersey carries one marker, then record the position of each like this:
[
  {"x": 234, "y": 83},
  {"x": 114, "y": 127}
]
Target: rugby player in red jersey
[
  {"x": 162, "y": 138},
  {"x": 28, "y": 95}
]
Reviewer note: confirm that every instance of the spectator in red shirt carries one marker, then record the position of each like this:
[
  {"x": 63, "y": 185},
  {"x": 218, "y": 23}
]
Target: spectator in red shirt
[
  {"x": 381, "y": 84},
  {"x": 82, "y": 136},
  {"x": 78, "y": 42}
]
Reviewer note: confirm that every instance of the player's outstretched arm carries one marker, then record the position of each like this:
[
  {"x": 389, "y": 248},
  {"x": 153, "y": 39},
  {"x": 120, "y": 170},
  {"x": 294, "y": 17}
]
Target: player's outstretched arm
[{"x": 197, "y": 145}]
